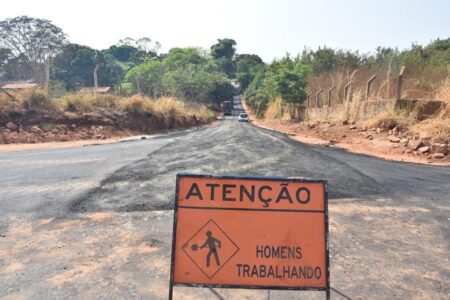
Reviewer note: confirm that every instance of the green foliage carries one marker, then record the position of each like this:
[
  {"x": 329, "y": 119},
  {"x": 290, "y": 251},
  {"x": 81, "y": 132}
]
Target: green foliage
[
  {"x": 129, "y": 54},
  {"x": 186, "y": 73},
  {"x": 146, "y": 78},
  {"x": 75, "y": 65},
  {"x": 223, "y": 53},
  {"x": 284, "y": 79},
  {"x": 289, "y": 80},
  {"x": 247, "y": 66}
]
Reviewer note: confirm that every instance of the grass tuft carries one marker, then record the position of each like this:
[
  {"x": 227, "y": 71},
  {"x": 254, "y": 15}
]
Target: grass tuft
[{"x": 36, "y": 100}]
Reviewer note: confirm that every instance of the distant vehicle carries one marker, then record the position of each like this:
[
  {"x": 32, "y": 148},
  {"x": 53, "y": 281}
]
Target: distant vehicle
[
  {"x": 227, "y": 108},
  {"x": 243, "y": 117}
]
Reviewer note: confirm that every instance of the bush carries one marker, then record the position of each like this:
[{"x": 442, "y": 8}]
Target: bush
[
  {"x": 36, "y": 100},
  {"x": 77, "y": 103},
  {"x": 136, "y": 104}
]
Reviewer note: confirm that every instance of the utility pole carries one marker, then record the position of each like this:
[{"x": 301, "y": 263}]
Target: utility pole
[
  {"x": 96, "y": 79},
  {"x": 47, "y": 76}
]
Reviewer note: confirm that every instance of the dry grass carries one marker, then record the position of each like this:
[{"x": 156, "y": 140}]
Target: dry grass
[
  {"x": 83, "y": 102},
  {"x": 136, "y": 104},
  {"x": 278, "y": 110},
  {"x": 443, "y": 92},
  {"x": 36, "y": 100},
  {"x": 390, "y": 119},
  {"x": 169, "y": 110},
  {"x": 352, "y": 108},
  {"x": 173, "y": 108},
  {"x": 436, "y": 127},
  {"x": 418, "y": 83},
  {"x": 6, "y": 105},
  {"x": 29, "y": 100}
]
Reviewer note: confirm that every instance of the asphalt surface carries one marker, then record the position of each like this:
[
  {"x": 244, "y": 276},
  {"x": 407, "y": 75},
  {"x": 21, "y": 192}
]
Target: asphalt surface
[{"x": 139, "y": 177}]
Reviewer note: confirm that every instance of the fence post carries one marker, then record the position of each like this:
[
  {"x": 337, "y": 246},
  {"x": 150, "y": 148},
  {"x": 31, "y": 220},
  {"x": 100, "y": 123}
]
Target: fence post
[
  {"x": 399, "y": 83},
  {"x": 347, "y": 88},
  {"x": 309, "y": 100},
  {"x": 329, "y": 95},
  {"x": 369, "y": 82},
  {"x": 317, "y": 97}
]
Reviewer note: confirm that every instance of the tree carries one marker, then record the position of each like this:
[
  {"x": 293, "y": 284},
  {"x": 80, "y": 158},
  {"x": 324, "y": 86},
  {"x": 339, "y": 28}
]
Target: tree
[
  {"x": 5, "y": 54},
  {"x": 145, "y": 44},
  {"x": 75, "y": 64},
  {"x": 290, "y": 80},
  {"x": 186, "y": 73},
  {"x": 247, "y": 66},
  {"x": 223, "y": 52},
  {"x": 146, "y": 77},
  {"x": 36, "y": 39}
]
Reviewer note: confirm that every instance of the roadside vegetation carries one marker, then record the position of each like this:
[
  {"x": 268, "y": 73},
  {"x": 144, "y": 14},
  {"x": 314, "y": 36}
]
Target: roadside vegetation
[
  {"x": 275, "y": 90},
  {"x": 37, "y": 101},
  {"x": 150, "y": 90},
  {"x": 191, "y": 79}
]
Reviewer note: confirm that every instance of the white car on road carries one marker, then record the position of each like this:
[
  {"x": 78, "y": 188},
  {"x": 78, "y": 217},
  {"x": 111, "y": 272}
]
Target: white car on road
[{"x": 243, "y": 117}]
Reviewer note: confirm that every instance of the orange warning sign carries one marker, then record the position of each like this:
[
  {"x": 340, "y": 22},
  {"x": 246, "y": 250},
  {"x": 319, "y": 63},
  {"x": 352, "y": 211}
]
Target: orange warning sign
[{"x": 250, "y": 232}]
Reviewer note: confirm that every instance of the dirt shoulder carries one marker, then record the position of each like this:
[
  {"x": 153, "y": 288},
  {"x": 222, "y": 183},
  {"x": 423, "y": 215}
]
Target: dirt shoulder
[
  {"x": 6, "y": 148},
  {"x": 114, "y": 137},
  {"x": 357, "y": 138}
]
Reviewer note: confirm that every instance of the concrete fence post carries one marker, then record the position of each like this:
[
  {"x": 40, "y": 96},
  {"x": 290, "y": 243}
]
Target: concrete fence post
[
  {"x": 369, "y": 82},
  {"x": 308, "y": 103},
  {"x": 399, "y": 83},
  {"x": 318, "y": 97},
  {"x": 347, "y": 89},
  {"x": 329, "y": 95}
]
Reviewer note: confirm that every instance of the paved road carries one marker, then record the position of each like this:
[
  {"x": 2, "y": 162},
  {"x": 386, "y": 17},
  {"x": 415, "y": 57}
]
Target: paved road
[{"x": 137, "y": 178}]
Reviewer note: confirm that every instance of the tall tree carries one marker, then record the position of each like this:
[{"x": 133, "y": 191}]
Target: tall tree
[
  {"x": 223, "y": 52},
  {"x": 36, "y": 39}
]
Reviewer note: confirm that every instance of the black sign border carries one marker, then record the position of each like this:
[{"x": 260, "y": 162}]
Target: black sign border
[{"x": 288, "y": 179}]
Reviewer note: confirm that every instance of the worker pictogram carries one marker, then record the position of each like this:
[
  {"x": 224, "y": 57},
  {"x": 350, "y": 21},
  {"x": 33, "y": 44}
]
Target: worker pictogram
[{"x": 210, "y": 248}]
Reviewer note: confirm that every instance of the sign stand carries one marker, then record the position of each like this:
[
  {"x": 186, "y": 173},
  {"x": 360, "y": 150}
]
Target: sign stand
[{"x": 250, "y": 233}]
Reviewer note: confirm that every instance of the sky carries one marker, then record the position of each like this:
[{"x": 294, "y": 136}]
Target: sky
[{"x": 269, "y": 28}]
